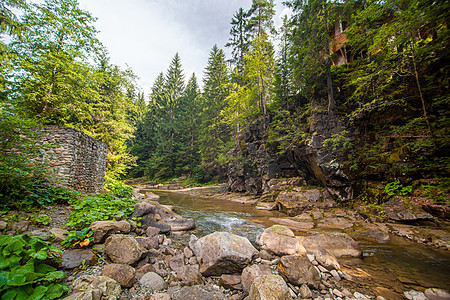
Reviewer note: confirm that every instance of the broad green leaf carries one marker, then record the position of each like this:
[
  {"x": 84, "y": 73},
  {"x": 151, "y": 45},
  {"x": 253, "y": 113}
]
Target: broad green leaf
[
  {"x": 44, "y": 268},
  {"x": 38, "y": 293},
  {"x": 41, "y": 255},
  {"x": 5, "y": 239},
  {"x": 3, "y": 278},
  {"x": 54, "y": 275},
  {"x": 17, "y": 279},
  {"x": 56, "y": 290},
  {"x": 15, "y": 247},
  {"x": 10, "y": 294}
]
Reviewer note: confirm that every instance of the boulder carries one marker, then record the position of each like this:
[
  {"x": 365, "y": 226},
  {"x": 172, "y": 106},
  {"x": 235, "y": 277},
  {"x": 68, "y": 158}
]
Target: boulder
[
  {"x": 151, "y": 196},
  {"x": 153, "y": 281},
  {"x": 123, "y": 274},
  {"x": 251, "y": 272},
  {"x": 415, "y": 295},
  {"x": 176, "y": 262},
  {"x": 269, "y": 287},
  {"x": 198, "y": 292},
  {"x": 143, "y": 208},
  {"x": 181, "y": 224},
  {"x": 147, "y": 243},
  {"x": 109, "y": 288},
  {"x": 437, "y": 294},
  {"x": 295, "y": 202},
  {"x": 338, "y": 244},
  {"x": 122, "y": 249},
  {"x": 59, "y": 235},
  {"x": 102, "y": 229},
  {"x": 146, "y": 268},
  {"x": 189, "y": 275},
  {"x": 326, "y": 259},
  {"x": 232, "y": 282},
  {"x": 72, "y": 259},
  {"x": 298, "y": 270},
  {"x": 280, "y": 240},
  {"x": 223, "y": 253},
  {"x": 152, "y": 231},
  {"x": 162, "y": 226}
]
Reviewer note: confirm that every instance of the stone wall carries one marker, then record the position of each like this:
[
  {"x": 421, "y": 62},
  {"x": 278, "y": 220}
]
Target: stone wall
[{"x": 76, "y": 160}]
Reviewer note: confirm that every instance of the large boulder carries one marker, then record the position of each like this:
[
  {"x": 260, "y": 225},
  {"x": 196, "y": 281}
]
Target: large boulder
[
  {"x": 123, "y": 274},
  {"x": 189, "y": 275},
  {"x": 269, "y": 287},
  {"x": 102, "y": 229},
  {"x": 280, "y": 240},
  {"x": 437, "y": 294},
  {"x": 223, "y": 253},
  {"x": 338, "y": 244},
  {"x": 123, "y": 249},
  {"x": 326, "y": 259},
  {"x": 198, "y": 292},
  {"x": 143, "y": 208},
  {"x": 251, "y": 272},
  {"x": 182, "y": 224},
  {"x": 298, "y": 270},
  {"x": 72, "y": 259},
  {"x": 110, "y": 289},
  {"x": 153, "y": 281}
]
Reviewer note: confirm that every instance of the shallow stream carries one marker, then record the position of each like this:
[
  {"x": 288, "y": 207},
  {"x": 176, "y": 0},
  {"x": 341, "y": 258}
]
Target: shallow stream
[{"x": 398, "y": 265}]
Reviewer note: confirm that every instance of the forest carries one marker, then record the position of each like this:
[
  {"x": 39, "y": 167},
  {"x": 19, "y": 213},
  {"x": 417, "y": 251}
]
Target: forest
[{"x": 378, "y": 67}]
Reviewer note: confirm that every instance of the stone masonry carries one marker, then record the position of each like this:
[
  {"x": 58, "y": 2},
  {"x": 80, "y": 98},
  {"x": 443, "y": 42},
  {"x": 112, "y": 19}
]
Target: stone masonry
[{"x": 76, "y": 160}]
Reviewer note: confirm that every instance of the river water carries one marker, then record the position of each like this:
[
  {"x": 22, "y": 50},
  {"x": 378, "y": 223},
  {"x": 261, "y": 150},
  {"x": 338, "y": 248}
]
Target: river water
[{"x": 398, "y": 265}]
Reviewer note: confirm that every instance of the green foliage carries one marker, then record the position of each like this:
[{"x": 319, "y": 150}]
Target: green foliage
[
  {"x": 396, "y": 188},
  {"x": 118, "y": 188},
  {"x": 24, "y": 273},
  {"x": 79, "y": 238}
]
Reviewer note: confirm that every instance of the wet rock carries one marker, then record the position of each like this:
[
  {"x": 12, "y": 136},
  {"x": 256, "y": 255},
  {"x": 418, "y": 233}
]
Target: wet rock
[
  {"x": 415, "y": 295},
  {"x": 223, "y": 253},
  {"x": 280, "y": 240},
  {"x": 334, "y": 223},
  {"x": 298, "y": 270},
  {"x": 109, "y": 288},
  {"x": 102, "y": 229},
  {"x": 198, "y": 292},
  {"x": 153, "y": 281},
  {"x": 326, "y": 259},
  {"x": 374, "y": 236},
  {"x": 182, "y": 224},
  {"x": 437, "y": 294},
  {"x": 189, "y": 275},
  {"x": 123, "y": 274},
  {"x": 162, "y": 226},
  {"x": 59, "y": 235},
  {"x": 295, "y": 202},
  {"x": 387, "y": 294},
  {"x": 268, "y": 287},
  {"x": 338, "y": 244},
  {"x": 251, "y": 272},
  {"x": 176, "y": 262},
  {"x": 397, "y": 210},
  {"x": 294, "y": 223},
  {"x": 147, "y": 243},
  {"x": 149, "y": 196},
  {"x": 142, "y": 209},
  {"x": 122, "y": 249},
  {"x": 232, "y": 282},
  {"x": 72, "y": 259},
  {"x": 152, "y": 231}
]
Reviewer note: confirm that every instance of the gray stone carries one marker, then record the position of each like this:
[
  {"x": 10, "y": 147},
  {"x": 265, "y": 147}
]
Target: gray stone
[
  {"x": 20, "y": 226},
  {"x": 182, "y": 224},
  {"x": 223, "y": 253},
  {"x": 189, "y": 275},
  {"x": 102, "y": 229},
  {"x": 198, "y": 292},
  {"x": 147, "y": 243},
  {"x": 280, "y": 240},
  {"x": 122, "y": 249},
  {"x": 72, "y": 259},
  {"x": 268, "y": 287},
  {"x": 176, "y": 262},
  {"x": 152, "y": 231},
  {"x": 326, "y": 259},
  {"x": 232, "y": 282},
  {"x": 437, "y": 294},
  {"x": 415, "y": 295},
  {"x": 3, "y": 225},
  {"x": 153, "y": 281},
  {"x": 251, "y": 272},
  {"x": 298, "y": 270},
  {"x": 123, "y": 274},
  {"x": 59, "y": 235},
  {"x": 338, "y": 244},
  {"x": 143, "y": 208},
  {"x": 305, "y": 292},
  {"x": 162, "y": 226},
  {"x": 110, "y": 289},
  {"x": 144, "y": 269}
]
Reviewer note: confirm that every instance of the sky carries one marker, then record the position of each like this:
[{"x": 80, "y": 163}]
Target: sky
[{"x": 144, "y": 35}]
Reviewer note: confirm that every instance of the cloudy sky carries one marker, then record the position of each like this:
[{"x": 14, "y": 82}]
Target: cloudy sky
[{"x": 145, "y": 34}]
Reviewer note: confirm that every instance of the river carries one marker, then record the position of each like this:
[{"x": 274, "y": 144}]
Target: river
[{"x": 398, "y": 265}]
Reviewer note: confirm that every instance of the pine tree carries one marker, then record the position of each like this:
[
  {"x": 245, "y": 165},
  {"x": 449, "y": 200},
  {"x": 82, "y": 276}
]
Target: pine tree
[{"x": 261, "y": 17}]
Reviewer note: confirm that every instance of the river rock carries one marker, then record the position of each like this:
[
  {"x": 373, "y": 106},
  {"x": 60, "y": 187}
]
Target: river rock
[
  {"x": 143, "y": 208},
  {"x": 305, "y": 292},
  {"x": 397, "y": 210},
  {"x": 152, "y": 231},
  {"x": 223, "y": 253},
  {"x": 295, "y": 202},
  {"x": 122, "y": 249},
  {"x": 437, "y": 294},
  {"x": 151, "y": 196},
  {"x": 123, "y": 274},
  {"x": 144, "y": 269},
  {"x": 326, "y": 259},
  {"x": 338, "y": 244},
  {"x": 251, "y": 272},
  {"x": 198, "y": 292},
  {"x": 109, "y": 288},
  {"x": 374, "y": 236},
  {"x": 3, "y": 225},
  {"x": 72, "y": 259},
  {"x": 415, "y": 295},
  {"x": 269, "y": 287},
  {"x": 148, "y": 243},
  {"x": 181, "y": 224},
  {"x": 59, "y": 235},
  {"x": 176, "y": 262},
  {"x": 280, "y": 240},
  {"x": 189, "y": 275},
  {"x": 162, "y": 226},
  {"x": 232, "y": 282},
  {"x": 153, "y": 281},
  {"x": 298, "y": 270},
  {"x": 102, "y": 229}
]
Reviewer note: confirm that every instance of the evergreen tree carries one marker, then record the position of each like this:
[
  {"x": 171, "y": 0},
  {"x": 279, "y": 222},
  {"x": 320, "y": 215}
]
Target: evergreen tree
[{"x": 261, "y": 17}]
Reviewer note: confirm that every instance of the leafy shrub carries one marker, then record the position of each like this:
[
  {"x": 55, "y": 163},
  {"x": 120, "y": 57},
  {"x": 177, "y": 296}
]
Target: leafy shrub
[
  {"x": 396, "y": 188},
  {"x": 118, "y": 188},
  {"x": 98, "y": 207},
  {"x": 23, "y": 271},
  {"x": 79, "y": 238}
]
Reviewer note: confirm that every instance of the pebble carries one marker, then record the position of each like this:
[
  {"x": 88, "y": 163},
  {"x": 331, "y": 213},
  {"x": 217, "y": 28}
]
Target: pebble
[
  {"x": 338, "y": 293},
  {"x": 335, "y": 275}
]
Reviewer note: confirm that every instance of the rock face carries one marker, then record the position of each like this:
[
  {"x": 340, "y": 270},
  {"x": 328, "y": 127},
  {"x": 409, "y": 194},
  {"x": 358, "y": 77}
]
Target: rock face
[
  {"x": 397, "y": 210},
  {"x": 280, "y": 240},
  {"x": 72, "y": 259},
  {"x": 153, "y": 281},
  {"x": 223, "y": 253},
  {"x": 102, "y": 229},
  {"x": 122, "y": 249},
  {"x": 123, "y": 274},
  {"x": 251, "y": 272},
  {"x": 198, "y": 292},
  {"x": 338, "y": 244},
  {"x": 110, "y": 289},
  {"x": 268, "y": 287},
  {"x": 298, "y": 270},
  {"x": 295, "y": 202}
]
